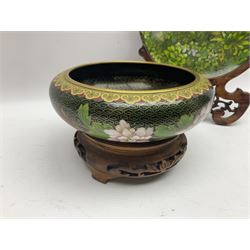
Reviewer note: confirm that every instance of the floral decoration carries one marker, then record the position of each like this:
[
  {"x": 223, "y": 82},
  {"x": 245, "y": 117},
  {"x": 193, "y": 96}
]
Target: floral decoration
[
  {"x": 210, "y": 53},
  {"x": 124, "y": 133}
]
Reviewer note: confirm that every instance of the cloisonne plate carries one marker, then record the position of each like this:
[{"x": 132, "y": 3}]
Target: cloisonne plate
[{"x": 210, "y": 53}]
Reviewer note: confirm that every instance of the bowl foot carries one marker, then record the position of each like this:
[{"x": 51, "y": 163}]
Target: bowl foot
[{"x": 111, "y": 160}]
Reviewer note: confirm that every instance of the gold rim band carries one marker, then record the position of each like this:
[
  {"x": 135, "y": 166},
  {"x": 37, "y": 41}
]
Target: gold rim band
[{"x": 66, "y": 83}]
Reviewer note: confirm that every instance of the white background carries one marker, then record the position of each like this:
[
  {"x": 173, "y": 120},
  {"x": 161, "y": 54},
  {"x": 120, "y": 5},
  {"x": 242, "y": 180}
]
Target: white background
[{"x": 42, "y": 173}]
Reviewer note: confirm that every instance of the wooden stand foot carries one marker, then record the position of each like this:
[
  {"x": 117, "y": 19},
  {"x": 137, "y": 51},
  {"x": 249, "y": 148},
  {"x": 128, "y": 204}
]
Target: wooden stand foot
[
  {"x": 99, "y": 176},
  {"x": 111, "y": 160}
]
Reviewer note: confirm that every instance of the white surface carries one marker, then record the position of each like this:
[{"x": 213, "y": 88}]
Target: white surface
[{"x": 42, "y": 175}]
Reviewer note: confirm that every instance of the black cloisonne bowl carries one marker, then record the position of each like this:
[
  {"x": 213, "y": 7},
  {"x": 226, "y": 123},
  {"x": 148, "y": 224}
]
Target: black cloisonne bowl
[{"x": 131, "y": 101}]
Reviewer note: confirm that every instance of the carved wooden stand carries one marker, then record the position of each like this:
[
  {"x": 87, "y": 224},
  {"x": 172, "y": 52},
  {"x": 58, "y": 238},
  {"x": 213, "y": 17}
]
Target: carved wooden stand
[
  {"x": 111, "y": 160},
  {"x": 223, "y": 99},
  {"x": 227, "y": 99}
]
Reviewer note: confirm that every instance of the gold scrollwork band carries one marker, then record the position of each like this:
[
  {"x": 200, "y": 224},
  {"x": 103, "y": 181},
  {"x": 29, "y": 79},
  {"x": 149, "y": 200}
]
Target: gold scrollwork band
[{"x": 186, "y": 92}]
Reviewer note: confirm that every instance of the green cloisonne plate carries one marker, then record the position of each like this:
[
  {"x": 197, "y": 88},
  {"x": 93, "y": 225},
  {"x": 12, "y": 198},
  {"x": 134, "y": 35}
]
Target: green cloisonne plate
[{"x": 210, "y": 53}]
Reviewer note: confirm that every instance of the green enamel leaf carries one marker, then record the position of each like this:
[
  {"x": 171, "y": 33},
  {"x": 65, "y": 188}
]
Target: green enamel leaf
[
  {"x": 96, "y": 132},
  {"x": 97, "y": 129},
  {"x": 98, "y": 125},
  {"x": 94, "y": 128},
  {"x": 163, "y": 131},
  {"x": 83, "y": 114},
  {"x": 245, "y": 42},
  {"x": 185, "y": 121},
  {"x": 217, "y": 39}
]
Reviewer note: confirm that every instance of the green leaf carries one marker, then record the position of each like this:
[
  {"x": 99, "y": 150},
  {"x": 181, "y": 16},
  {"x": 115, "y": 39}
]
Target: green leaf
[
  {"x": 163, "y": 131},
  {"x": 98, "y": 132},
  {"x": 245, "y": 43},
  {"x": 217, "y": 39},
  {"x": 83, "y": 114},
  {"x": 98, "y": 125},
  {"x": 185, "y": 121},
  {"x": 97, "y": 129},
  {"x": 107, "y": 126}
]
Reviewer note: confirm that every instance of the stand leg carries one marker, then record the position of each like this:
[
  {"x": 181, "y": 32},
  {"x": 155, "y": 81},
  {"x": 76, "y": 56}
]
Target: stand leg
[{"x": 99, "y": 176}]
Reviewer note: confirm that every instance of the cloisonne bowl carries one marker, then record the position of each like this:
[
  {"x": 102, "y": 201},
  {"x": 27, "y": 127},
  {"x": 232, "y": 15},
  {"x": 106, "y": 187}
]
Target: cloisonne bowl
[{"x": 131, "y": 101}]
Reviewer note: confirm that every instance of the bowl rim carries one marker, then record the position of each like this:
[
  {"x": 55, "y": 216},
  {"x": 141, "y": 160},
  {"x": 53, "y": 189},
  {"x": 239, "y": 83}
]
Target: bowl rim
[{"x": 135, "y": 91}]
